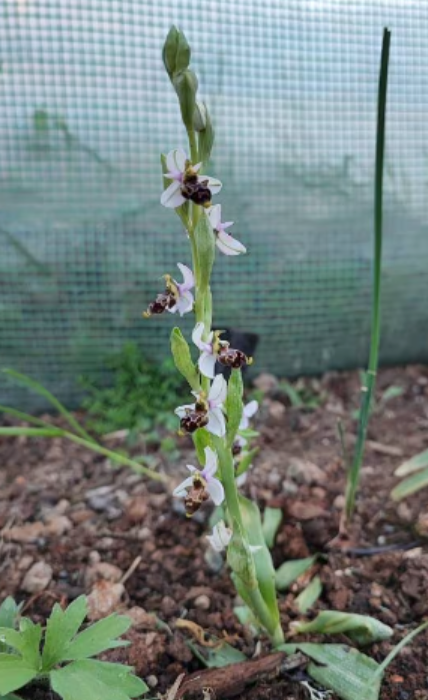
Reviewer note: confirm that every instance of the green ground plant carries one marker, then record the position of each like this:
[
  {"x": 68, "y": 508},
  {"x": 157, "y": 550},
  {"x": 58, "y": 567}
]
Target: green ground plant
[
  {"x": 61, "y": 655},
  {"x": 139, "y": 396}
]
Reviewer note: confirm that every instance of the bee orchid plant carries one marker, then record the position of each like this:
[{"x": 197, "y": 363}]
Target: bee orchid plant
[{"x": 217, "y": 419}]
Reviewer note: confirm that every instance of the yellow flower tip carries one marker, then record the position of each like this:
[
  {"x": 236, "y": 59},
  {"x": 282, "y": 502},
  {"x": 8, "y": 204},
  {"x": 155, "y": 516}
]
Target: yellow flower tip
[{"x": 146, "y": 314}]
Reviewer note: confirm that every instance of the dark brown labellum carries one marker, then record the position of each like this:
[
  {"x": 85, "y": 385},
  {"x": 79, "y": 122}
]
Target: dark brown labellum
[
  {"x": 162, "y": 302},
  {"x": 194, "y": 420},
  {"x": 236, "y": 449},
  {"x": 196, "y": 496},
  {"x": 232, "y": 358},
  {"x": 196, "y": 191}
]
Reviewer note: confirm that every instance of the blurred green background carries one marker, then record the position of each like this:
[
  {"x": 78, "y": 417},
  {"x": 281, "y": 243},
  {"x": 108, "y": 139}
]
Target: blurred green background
[{"x": 86, "y": 109}]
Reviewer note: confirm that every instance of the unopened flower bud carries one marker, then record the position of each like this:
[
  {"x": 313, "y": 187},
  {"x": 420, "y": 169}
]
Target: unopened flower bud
[
  {"x": 186, "y": 86},
  {"x": 200, "y": 117},
  {"x": 203, "y": 125},
  {"x": 175, "y": 52}
]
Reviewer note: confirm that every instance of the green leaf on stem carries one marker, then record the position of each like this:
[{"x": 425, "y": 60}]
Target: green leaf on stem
[
  {"x": 272, "y": 518},
  {"x": 362, "y": 629},
  {"x": 262, "y": 559},
  {"x": 291, "y": 570},
  {"x": 183, "y": 359},
  {"x": 234, "y": 405},
  {"x": 245, "y": 461}
]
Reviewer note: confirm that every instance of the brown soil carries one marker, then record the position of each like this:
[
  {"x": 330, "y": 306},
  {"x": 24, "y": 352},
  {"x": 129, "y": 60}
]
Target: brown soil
[{"x": 68, "y": 508}]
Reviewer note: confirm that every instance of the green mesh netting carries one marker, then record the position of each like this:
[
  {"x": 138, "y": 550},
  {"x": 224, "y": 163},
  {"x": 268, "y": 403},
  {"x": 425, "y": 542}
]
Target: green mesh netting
[{"x": 86, "y": 108}]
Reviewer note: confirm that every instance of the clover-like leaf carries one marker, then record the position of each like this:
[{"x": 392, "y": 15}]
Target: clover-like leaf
[
  {"x": 97, "y": 680},
  {"x": 15, "y": 672},
  {"x": 98, "y": 637},
  {"x": 61, "y": 627}
]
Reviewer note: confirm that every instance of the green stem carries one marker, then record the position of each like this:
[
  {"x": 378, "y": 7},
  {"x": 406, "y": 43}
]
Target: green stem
[
  {"x": 193, "y": 145},
  {"x": 203, "y": 312},
  {"x": 369, "y": 385}
]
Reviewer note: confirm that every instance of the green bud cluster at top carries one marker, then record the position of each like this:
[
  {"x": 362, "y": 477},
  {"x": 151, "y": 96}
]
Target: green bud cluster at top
[{"x": 215, "y": 415}]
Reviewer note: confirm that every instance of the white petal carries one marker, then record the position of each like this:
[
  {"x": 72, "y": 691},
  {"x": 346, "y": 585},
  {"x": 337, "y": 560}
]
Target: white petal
[
  {"x": 188, "y": 277},
  {"x": 180, "y": 491},
  {"x": 245, "y": 423},
  {"x": 172, "y": 197},
  {"x": 240, "y": 440},
  {"x": 176, "y": 160},
  {"x": 216, "y": 423},
  {"x": 220, "y": 537},
  {"x": 227, "y": 224},
  {"x": 213, "y": 185},
  {"x": 191, "y": 468},
  {"x": 184, "y": 304},
  {"x": 197, "y": 167},
  {"x": 229, "y": 245},
  {"x": 216, "y": 491},
  {"x": 241, "y": 479},
  {"x": 206, "y": 364},
  {"x": 251, "y": 408},
  {"x": 210, "y": 462},
  {"x": 197, "y": 335},
  {"x": 214, "y": 215},
  {"x": 180, "y": 411},
  {"x": 218, "y": 392}
]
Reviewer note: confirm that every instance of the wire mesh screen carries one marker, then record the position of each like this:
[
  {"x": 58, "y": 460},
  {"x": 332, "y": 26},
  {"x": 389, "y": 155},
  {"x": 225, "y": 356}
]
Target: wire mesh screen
[{"x": 86, "y": 109}]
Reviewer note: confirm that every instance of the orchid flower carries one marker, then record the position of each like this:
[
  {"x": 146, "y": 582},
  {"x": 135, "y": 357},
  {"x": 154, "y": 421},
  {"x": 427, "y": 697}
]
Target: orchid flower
[
  {"x": 224, "y": 241},
  {"x": 204, "y": 480},
  {"x": 184, "y": 296},
  {"x": 206, "y": 413},
  {"x": 208, "y": 357},
  {"x": 248, "y": 412},
  {"x": 221, "y": 536},
  {"x": 186, "y": 184}
]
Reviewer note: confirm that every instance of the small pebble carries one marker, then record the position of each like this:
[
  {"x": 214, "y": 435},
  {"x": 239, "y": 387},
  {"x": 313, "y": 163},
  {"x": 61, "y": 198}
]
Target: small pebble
[
  {"x": 152, "y": 681},
  {"x": 202, "y": 602},
  {"x": 37, "y": 578}
]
